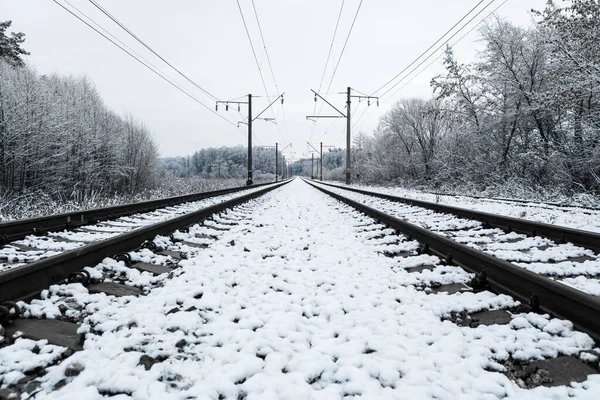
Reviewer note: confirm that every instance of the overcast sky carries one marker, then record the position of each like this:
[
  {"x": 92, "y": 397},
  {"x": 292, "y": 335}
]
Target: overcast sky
[{"x": 207, "y": 41}]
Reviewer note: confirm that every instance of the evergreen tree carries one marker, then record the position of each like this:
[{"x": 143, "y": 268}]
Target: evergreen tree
[{"x": 10, "y": 47}]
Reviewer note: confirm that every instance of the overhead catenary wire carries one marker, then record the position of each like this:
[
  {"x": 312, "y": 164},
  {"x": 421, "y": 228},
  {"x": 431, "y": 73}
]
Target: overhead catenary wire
[
  {"x": 337, "y": 119},
  {"x": 429, "y": 48},
  {"x": 153, "y": 69},
  {"x": 327, "y": 63},
  {"x": 122, "y": 26},
  {"x": 262, "y": 78},
  {"x": 270, "y": 68},
  {"x": 344, "y": 47},
  {"x": 440, "y": 46},
  {"x": 358, "y": 121},
  {"x": 383, "y": 100},
  {"x": 341, "y": 53},
  {"x": 436, "y": 59}
]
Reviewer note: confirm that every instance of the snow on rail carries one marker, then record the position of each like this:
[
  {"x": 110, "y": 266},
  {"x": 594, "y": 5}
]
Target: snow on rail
[
  {"x": 297, "y": 301},
  {"x": 570, "y": 216}
]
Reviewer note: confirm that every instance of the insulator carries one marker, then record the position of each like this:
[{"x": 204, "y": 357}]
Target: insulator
[
  {"x": 216, "y": 107},
  {"x": 238, "y": 107},
  {"x": 226, "y": 107},
  {"x": 281, "y": 99},
  {"x": 368, "y": 102},
  {"x": 377, "y": 102},
  {"x": 315, "y": 98}
]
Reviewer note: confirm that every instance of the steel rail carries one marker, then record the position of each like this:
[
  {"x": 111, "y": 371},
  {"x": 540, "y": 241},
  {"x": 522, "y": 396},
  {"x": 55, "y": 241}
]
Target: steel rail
[
  {"x": 526, "y": 203},
  {"x": 16, "y": 230},
  {"x": 27, "y": 281},
  {"x": 555, "y": 298},
  {"x": 561, "y": 234}
]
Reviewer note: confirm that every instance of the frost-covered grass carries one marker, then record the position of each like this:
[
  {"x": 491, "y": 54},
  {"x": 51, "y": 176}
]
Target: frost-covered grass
[
  {"x": 15, "y": 206},
  {"x": 296, "y": 301}
]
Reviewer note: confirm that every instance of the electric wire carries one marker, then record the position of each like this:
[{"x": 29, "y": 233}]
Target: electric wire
[
  {"x": 345, "y": 43},
  {"x": 326, "y": 64},
  {"x": 357, "y": 125},
  {"x": 114, "y": 19},
  {"x": 342, "y": 52},
  {"x": 440, "y": 46},
  {"x": 436, "y": 59},
  {"x": 256, "y": 58},
  {"x": 156, "y": 71},
  {"x": 270, "y": 68},
  {"x": 429, "y": 56},
  {"x": 430, "y": 47}
]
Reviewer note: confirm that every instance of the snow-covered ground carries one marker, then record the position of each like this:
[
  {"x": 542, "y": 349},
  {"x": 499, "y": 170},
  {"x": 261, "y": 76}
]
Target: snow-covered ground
[
  {"x": 294, "y": 300},
  {"x": 574, "y": 217}
]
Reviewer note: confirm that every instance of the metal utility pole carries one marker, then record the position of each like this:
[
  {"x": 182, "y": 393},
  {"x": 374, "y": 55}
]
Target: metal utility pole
[
  {"x": 321, "y": 161},
  {"x": 283, "y": 167},
  {"x": 349, "y": 95},
  {"x": 348, "y": 176},
  {"x": 249, "y": 123},
  {"x": 277, "y": 159},
  {"x": 249, "y": 181}
]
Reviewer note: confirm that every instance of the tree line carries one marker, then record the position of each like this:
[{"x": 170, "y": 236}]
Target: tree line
[
  {"x": 224, "y": 162},
  {"x": 57, "y": 135},
  {"x": 526, "y": 113}
]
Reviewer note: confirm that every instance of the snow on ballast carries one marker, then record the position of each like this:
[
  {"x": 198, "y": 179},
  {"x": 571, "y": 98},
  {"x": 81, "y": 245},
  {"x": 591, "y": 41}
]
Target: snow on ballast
[
  {"x": 33, "y": 247},
  {"x": 566, "y": 263},
  {"x": 301, "y": 298}
]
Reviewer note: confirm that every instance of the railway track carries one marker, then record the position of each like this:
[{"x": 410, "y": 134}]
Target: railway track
[
  {"x": 16, "y": 230},
  {"x": 37, "y": 261},
  {"x": 508, "y": 201},
  {"x": 555, "y": 277},
  {"x": 567, "y": 255},
  {"x": 302, "y": 293},
  {"x": 30, "y": 240}
]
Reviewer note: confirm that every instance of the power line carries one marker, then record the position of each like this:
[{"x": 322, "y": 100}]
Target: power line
[
  {"x": 439, "y": 47},
  {"x": 331, "y": 45},
  {"x": 156, "y": 71},
  {"x": 105, "y": 12},
  {"x": 342, "y": 52},
  {"x": 327, "y": 63},
  {"x": 345, "y": 43},
  {"x": 429, "y": 48},
  {"x": 436, "y": 59},
  {"x": 252, "y": 47},
  {"x": 270, "y": 67},
  {"x": 256, "y": 59},
  {"x": 112, "y": 36},
  {"x": 264, "y": 45}
]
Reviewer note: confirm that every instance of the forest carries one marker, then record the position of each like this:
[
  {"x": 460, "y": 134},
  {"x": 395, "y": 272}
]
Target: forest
[
  {"x": 61, "y": 148},
  {"x": 523, "y": 118}
]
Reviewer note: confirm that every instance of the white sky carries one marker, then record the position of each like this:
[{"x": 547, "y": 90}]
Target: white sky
[{"x": 206, "y": 40}]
